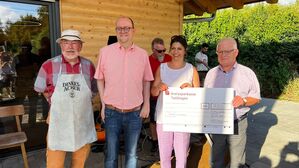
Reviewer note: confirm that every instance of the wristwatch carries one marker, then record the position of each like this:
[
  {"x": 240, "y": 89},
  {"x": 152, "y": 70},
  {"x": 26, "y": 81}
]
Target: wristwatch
[{"x": 245, "y": 101}]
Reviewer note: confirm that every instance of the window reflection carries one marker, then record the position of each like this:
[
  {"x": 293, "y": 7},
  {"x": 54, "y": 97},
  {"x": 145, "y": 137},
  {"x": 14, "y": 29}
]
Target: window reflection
[
  {"x": 8, "y": 75},
  {"x": 24, "y": 46}
]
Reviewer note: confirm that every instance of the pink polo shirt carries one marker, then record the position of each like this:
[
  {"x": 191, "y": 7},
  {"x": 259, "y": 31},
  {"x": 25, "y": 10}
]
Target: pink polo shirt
[{"x": 123, "y": 72}]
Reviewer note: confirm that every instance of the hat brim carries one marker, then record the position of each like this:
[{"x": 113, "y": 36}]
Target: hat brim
[{"x": 71, "y": 38}]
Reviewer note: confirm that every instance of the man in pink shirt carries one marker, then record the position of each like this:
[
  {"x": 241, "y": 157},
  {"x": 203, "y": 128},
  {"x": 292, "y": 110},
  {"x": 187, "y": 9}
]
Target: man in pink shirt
[{"x": 123, "y": 75}]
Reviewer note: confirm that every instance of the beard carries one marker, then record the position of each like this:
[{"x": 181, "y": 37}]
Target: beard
[{"x": 70, "y": 54}]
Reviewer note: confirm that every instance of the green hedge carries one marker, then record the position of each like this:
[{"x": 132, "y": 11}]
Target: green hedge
[{"x": 268, "y": 37}]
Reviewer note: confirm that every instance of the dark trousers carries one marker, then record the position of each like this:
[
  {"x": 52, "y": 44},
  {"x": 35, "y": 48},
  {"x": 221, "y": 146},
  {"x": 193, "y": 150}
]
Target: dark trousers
[{"x": 202, "y": 76}]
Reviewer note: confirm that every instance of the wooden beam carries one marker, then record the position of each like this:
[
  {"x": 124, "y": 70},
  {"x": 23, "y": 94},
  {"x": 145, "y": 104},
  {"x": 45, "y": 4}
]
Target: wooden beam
[
  {"x": 206, "y": 6},
  {"x": 181, "y": 17},
  {"x": 236, "y": 4},
  {"x": 271, "y": 1},
  {"x": 211, "y": 6},
  {"x": 194, "y": 8}
]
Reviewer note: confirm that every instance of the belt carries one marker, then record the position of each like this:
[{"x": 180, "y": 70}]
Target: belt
[
  {"x": 241, "y": 118},
  {"x": 111, "y": 107}
]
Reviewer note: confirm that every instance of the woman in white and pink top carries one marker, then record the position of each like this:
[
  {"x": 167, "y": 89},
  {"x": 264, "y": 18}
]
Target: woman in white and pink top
[{"x": 176, "y": 73}]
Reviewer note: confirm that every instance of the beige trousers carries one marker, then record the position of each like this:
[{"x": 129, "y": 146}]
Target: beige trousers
[{"x": 55, "y": 158}]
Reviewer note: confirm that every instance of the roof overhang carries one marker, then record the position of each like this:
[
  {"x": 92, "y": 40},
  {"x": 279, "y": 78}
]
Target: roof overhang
[{"x": 199, "y": 7}]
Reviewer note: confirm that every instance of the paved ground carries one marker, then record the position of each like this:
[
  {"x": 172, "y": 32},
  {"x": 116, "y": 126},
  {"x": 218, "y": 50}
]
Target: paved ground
[
  {"x": 37, "y": 158},
  {"x": 273, "y": 141},
  {"x": 273, "y": 135}
]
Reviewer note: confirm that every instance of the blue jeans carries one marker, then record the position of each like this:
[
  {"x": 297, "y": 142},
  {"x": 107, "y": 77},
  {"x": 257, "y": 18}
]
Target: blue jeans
[{"x": 131, "y": 124}]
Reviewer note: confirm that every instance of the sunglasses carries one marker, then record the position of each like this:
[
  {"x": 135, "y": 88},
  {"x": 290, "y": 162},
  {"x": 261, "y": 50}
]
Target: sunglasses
[{"x": 160, "y": 51}]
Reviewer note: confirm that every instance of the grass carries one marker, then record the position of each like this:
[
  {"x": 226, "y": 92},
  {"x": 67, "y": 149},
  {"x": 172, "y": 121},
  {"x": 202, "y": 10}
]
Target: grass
[{"x": 291, "y": 91}]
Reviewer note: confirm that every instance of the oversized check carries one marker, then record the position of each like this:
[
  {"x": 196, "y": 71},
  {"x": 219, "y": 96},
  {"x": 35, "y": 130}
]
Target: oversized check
[{"x": 199, "y": 110}]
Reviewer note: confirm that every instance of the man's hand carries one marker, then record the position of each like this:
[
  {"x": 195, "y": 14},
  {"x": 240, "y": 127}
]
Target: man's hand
[
  {"x": 238, "y": 101},
  {"x": 103, "y": 112},
  {"x": 144, "y": 111}
]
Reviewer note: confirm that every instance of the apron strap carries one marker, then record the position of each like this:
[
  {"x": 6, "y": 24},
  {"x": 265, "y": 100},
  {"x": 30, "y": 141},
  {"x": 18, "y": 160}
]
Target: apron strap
[
  {"x": 80, "y": 69},
  {"x": 60, "y": 67}
]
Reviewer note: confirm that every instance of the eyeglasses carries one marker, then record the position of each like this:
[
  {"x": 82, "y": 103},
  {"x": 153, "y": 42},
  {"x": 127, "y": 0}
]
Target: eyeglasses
[
  {"x": 225, "y": 51},
  {"x": 160, "y": 51},
  {"x": 124, "y": 29}
]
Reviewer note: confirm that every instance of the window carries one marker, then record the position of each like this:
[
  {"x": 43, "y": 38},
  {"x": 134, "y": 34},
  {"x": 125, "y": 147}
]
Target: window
[{"x": 28, "y": 30}]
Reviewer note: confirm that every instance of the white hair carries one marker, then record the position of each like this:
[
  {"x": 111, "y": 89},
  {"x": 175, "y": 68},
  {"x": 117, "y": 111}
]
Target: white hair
[{"x": 230, "y": 39}]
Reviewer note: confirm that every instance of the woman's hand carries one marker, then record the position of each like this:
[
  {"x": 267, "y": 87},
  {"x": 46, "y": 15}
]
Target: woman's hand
[
  {"x": 163, "y": 87},
  {"x": 185, "y": 85}
]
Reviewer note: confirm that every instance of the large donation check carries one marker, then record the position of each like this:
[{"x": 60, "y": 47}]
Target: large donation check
[{"x": 199, "y": 110}]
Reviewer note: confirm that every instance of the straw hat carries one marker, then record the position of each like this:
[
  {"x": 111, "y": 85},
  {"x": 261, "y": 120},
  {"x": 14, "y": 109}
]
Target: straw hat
[{"x": 70, "y": 34}]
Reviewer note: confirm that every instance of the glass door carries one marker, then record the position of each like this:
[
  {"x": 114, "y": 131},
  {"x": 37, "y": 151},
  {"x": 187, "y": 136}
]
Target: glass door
[{"x": 27, "y": 35}]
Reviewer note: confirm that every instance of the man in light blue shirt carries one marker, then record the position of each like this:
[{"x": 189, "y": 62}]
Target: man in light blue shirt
[{"x": 230, "y": 74}]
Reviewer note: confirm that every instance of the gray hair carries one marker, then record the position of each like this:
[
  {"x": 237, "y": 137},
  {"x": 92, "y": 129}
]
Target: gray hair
[
  {"x": 157, "y": 41},
  {"x": 235, "y": 44}
]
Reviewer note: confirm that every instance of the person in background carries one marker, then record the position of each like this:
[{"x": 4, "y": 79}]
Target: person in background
[
  {"x": 27, "y": 67},
  {"x": 201, "y": 60},
  {"x": 44, "y": 53},
  {"x": 67, "y": 83},
  {"x": 176, "y": 73},
  {"x": 158, "y": 56},
  {"x": 123, "y": 75},
  {"x": 26, "y": 57},
  {"x": 230, "y": 74}
]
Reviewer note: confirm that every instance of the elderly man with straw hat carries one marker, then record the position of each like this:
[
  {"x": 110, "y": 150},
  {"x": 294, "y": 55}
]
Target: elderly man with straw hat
[{"x": 67, "y": 83}]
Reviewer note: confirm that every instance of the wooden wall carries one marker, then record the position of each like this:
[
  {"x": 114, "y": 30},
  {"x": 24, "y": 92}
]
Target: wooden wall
[{"x": 95, "y": 19}]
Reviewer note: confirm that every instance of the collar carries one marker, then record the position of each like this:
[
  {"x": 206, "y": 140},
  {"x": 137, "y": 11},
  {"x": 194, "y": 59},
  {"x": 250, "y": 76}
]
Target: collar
[
  {"x": 234, "y": 67},
  {"x": 133, "y": 46},
  {"x": 154, "y": 57},
  {"x": 64, "y": 61}
]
